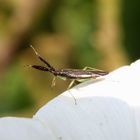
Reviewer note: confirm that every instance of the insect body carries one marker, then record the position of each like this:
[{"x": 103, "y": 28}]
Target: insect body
[
  {"x": 73, "y": 74},
  {"x": 79, "y": 75}
]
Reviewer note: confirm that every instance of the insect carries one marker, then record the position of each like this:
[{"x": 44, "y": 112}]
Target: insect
[{"x": 76, "y": 75}]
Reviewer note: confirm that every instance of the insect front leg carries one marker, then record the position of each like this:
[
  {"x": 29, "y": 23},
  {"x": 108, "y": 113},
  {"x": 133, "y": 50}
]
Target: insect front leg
[{"x": 53, "y": 81}]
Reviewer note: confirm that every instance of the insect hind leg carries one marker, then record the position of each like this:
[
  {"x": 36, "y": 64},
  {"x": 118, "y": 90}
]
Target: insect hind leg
[{"x": 90, "y": 68}]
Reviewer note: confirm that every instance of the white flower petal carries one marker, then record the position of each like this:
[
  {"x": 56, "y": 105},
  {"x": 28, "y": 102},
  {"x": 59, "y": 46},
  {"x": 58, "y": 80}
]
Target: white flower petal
[
  {"x": 107, "y": 108},
  {"x": 12, "y": 128}
]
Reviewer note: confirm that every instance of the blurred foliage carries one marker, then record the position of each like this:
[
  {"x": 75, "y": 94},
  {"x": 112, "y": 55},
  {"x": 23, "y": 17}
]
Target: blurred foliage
[
  {"x": 14, "y": 94},
  {"x": 69, "y": 34},
  {"x": 131, "y": 22}
]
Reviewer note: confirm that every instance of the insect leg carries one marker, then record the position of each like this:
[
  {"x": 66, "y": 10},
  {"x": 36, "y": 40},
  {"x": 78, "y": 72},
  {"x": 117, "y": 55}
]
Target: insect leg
[
  {"x": 53, "y": 81},
  {"x": 90, "y": 68},
  {"x": 41, "y": 59},
  {"x": 75, "y": 101},
  {"x": 71, "y": 84}
]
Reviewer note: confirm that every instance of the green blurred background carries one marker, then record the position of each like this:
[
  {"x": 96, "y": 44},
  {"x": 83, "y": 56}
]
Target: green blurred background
[{"x": 70, "y": 34}]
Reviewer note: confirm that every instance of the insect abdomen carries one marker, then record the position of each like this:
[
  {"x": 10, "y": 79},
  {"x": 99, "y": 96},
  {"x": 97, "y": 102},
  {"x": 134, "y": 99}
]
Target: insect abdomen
[{"x": 81, "y": 74}]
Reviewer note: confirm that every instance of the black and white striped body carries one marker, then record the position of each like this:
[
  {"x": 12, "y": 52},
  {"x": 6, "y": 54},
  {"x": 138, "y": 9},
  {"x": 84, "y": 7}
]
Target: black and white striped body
[{"x": 79, "y": 73}]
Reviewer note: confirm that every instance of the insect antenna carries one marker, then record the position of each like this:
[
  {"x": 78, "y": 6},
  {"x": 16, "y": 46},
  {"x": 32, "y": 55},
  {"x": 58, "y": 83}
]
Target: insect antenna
[
  {"x": 41, "y": 59},
  {"x": 39, "y": 67}
]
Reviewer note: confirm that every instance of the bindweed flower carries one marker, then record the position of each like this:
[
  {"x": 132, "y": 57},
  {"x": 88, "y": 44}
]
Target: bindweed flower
[{"x": 107, "y": 108}]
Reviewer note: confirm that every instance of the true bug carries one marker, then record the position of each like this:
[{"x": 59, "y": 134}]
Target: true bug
[{"x": 78, "y": 75}]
